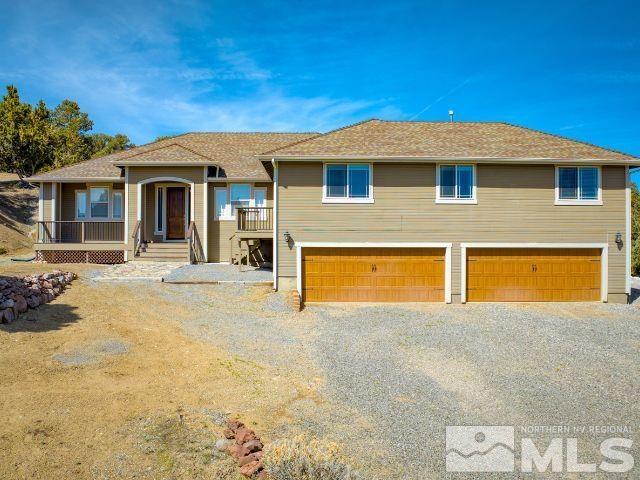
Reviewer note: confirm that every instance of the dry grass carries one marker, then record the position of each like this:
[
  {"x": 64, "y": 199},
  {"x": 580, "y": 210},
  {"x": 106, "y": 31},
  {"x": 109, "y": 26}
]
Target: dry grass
[
  {"x": 151, "y": 412},
  {"x": 18, "y": 212}
]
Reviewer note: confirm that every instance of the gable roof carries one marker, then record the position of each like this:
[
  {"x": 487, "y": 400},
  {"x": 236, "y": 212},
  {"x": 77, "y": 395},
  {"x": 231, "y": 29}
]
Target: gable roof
[
  {"x": 374, "y": 138},
  {"x": 235, "y": 153}
]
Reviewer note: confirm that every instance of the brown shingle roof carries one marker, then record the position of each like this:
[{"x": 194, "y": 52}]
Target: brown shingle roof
[
  {"x": 477, "y": 140},
  {"x": 233, "y": 152}
]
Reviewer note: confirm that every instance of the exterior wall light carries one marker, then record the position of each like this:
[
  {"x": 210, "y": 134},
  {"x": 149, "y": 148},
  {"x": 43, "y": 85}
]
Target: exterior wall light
[
  {"x": 287, "y": 237},
  {"x": 618, "y": 238}
]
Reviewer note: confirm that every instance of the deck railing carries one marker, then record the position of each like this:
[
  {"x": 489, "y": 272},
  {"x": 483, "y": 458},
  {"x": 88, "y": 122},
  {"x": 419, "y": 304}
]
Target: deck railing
[
  {"x": 80, "y": 232},
  {"x": 255, "y": 219}
]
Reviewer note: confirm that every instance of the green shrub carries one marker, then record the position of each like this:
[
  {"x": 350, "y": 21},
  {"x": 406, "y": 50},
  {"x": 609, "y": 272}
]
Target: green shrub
[{"x": 302, "y": 458}]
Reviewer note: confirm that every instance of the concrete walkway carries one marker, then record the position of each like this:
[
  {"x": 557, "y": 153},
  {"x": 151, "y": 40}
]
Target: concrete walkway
[
  {"x": 136, "y": 271},
  {"x": 219, "y": 273},
  {"x": 171, "y": 272}
]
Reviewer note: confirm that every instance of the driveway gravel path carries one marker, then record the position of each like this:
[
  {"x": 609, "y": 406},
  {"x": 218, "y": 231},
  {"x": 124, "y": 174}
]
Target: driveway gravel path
[{"x": 385, "y": 381}]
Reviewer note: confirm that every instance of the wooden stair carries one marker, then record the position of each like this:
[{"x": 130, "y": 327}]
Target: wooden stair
[{"x": 164, "y": 252}]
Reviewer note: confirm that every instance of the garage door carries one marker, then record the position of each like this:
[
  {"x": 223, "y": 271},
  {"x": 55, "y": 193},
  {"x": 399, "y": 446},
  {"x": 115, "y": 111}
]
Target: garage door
[
  {"x": 533, "y": 275},
  {"x": 373, "y": 274}
]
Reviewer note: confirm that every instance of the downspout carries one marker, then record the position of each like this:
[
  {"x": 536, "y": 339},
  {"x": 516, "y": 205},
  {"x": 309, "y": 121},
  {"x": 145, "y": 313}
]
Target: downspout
[
  {"x": 275, "y": 223},
  {"x": 627, "y": 239}
]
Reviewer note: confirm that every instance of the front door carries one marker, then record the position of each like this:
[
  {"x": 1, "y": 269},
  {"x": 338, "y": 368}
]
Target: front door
[{"x": 175, "y": 213}]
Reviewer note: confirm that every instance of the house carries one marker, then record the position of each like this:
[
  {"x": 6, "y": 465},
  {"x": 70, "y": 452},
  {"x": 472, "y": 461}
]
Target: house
[{"x": 377, "y": 211}]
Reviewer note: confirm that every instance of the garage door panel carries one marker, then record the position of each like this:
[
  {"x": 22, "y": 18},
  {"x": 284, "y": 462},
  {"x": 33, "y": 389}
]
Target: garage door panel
[
  {"x": 533, "y": 275},
  {"x": 373, "y": 274}
]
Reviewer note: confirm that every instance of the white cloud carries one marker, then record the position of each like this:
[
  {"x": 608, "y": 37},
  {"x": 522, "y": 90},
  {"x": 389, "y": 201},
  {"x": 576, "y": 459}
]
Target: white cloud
[{"x": 137, "y": 78}]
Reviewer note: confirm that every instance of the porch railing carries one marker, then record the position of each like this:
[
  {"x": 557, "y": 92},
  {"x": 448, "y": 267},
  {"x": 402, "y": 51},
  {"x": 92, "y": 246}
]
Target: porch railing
[
  {"x": 137, "y": 237},
  {"x": 196, "y": 254},
  {"x": 255, "y": 219},
  {"x": 80, "y": 232}
]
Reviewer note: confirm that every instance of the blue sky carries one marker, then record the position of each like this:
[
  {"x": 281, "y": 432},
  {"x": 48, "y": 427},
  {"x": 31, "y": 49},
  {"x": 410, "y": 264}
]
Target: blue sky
[{"x": 152, "y": 68}]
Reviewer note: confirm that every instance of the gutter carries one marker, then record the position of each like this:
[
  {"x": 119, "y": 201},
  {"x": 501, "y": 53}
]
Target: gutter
[{"x": 407, "y": 159}]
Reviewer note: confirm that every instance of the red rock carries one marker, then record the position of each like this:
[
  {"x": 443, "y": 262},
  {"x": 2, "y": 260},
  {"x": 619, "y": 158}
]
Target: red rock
[
  {"x": 250, "y": 468},
  {"x": 234, "y": 425},
  {"x": 237, "y": 451},
  {"x": 252, "y": 457},
  {"x": 263, "y": 475},
  {"x": 253, "y": 445},
  {"x": 228, "y": 433},
  {"x": 244, "y": 434}
]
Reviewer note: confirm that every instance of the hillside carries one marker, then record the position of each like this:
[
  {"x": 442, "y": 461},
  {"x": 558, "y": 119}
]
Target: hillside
[{"x": 18, "y": 213}]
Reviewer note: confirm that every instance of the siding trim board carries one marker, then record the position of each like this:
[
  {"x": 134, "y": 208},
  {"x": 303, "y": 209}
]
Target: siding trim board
[
  {"x": 604, "y": 259},
  {"x": 447, "y": 246},
  {"x": 627, "y": 231}
]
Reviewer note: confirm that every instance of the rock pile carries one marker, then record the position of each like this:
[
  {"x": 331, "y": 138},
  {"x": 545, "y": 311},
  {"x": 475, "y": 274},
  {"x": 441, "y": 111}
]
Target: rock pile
[
  {"x": 17, "y": 294},
  {"x": 246, "y": 448}
]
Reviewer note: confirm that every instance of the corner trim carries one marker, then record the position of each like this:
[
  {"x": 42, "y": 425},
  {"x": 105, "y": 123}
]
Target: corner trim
[
  {"x": 41, "y": 203},
  {"x": 205, "y": 215},
  {"x": 275, "y": 224},
  {"x": 447, "y": 256},
  {"x": 627, "y": 231}
]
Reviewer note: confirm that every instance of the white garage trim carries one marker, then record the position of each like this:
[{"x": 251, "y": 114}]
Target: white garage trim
[
  {"x": 447, "y": 257},
  {"x": 604, "y": 260}
]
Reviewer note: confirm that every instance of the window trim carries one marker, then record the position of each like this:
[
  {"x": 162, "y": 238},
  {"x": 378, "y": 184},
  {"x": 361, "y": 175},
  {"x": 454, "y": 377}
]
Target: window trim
[
  {"x": 89, "y": 202},
  {"x": 227, "y": 188},
  {"x": 468, "y": 201},
  {"x": 86, "y": 210},
  {"x": 326, "y": 199},
  {"x": 577, "y": 201},
  {"x": 113, "y": 203},
  {"x": 227, "y": 204},
  {"x": 156, "y": 230}
]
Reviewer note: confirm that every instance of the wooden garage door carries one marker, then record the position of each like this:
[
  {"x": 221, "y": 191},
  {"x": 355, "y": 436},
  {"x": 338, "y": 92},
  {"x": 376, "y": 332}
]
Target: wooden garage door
[
  {"x": 533, "y": 275},
  {"x": 372, "y": 274}
]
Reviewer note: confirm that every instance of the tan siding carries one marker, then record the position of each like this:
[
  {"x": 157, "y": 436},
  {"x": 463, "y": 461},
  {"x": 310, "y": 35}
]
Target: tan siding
[
  {"x": 515, "y": 204},
  {"x": 191, "y": 174},
  {"x": 221, "y": 231}
]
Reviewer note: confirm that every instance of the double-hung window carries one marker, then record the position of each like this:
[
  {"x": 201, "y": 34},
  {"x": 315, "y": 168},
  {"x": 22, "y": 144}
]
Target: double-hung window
[
  {"x": 456, "y": 184},
  {"x": 99, "y": 202},
  {"x": 578, "y": 186},
  {"x": 228, "y": 200},
  {"x": 347, "y": 183}
]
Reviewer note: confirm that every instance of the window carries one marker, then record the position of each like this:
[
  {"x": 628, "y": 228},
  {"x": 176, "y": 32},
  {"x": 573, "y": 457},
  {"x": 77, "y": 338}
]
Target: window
[
  {"x": 240, "y": 194},
  {"x": 578, "y": 185},
  {"x": 456, "y": 184},
  {"x": 81, "y": 204},
  {"x": 99, "y": 197},
  {"x": 159, "y": 210},
  {"x": 117, "y": 205},
  {"x": 222, "y": 207},
  {"x": 347, "y": 183}
]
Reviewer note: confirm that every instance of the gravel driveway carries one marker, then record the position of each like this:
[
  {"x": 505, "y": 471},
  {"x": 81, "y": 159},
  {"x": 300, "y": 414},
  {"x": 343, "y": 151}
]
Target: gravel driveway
[{"x": 385, "y": 381}]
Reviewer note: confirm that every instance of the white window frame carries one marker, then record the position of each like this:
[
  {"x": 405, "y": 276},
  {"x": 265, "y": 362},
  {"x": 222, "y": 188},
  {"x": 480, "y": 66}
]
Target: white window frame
[
  {"x": 227, "y": 208},
  {"x": 98, "y": 219},
  {"x": 114, "y": 193},
  {"x": 86, "y": 209},
  {"x": 577, "y": 201},
  {"x": 156, "y": 230},
  {"x": 347, "y": 199},
  {"x": 469, "y": 201}
]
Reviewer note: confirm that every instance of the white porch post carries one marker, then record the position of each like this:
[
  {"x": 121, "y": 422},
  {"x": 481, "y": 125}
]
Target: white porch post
[
  {"x": 126, "y": 214},
  {"x": 205, "y": 214},
  {"x": 54, "y": 208}
]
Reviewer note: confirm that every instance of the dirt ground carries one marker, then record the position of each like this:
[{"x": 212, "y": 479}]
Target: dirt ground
[{"x": 103, "y": 383}]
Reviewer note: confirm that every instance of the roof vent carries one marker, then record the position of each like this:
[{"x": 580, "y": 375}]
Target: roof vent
[{"x": 451, "y": 116}]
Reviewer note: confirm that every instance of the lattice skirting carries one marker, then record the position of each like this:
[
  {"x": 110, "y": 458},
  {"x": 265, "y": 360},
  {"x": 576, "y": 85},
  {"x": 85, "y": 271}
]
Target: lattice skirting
[{"x": 77, "y": 256}]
